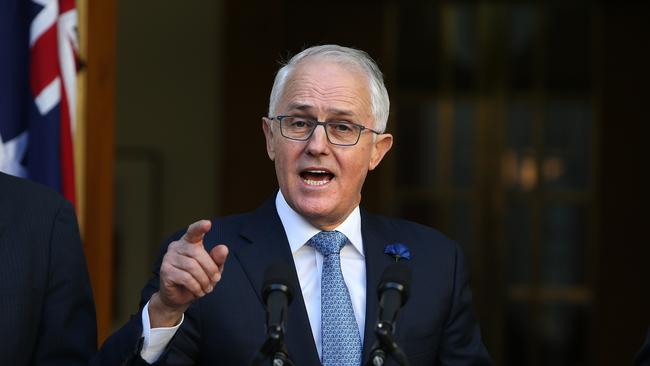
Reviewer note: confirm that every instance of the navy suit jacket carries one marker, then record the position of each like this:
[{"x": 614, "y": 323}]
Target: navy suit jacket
[
  {"x": 47, "y": 314},
  {"x": 227, "y": 326}
]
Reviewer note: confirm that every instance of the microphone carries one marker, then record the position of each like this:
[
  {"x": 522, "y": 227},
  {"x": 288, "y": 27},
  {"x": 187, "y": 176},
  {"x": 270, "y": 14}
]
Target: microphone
[
  {"x": 393, "y": 291},
  {"x": 277, "y": 293}
]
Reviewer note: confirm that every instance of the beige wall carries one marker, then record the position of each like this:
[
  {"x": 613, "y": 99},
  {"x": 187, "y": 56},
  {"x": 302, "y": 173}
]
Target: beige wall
[{"x": 167, "y": 130}]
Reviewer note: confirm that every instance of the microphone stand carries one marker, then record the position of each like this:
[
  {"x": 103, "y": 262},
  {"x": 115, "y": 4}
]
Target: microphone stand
[
  {"x": 273, "y": 348},
  {"x": 386, "y": 346}
]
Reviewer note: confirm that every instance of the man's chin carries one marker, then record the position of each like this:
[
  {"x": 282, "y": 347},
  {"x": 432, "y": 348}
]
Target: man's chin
[
  {"x": 313, "y": 210},
  {"x": 320, "y": 214}
]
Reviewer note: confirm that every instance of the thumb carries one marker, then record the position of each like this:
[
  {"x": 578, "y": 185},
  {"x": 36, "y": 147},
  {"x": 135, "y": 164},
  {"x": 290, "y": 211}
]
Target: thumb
[{"x": 196, "y": 231}]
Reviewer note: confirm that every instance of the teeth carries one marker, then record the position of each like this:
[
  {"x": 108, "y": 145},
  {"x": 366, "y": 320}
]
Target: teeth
[
  {"x": 317, "y": 171},
  {"x": 315, "y": 182}
]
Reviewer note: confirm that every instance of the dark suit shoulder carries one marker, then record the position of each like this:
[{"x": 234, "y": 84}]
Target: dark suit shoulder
[
  {"x": 29, "y": 211},
  {"x": 231, "y": 222},
  {"x": 400, "y": 224},
  {"x": 412, "y": 233},
  {"x": 223, "y": 229},
  {"x": 23, "y": 194},
  {"x": 51, "y": 318},
  {"x": 220, "y": 225}
]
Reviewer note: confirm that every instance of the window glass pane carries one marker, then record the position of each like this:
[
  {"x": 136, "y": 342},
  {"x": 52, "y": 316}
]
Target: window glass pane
[
  {"x": 418, "y": 45},
  {"x": 567, "y": 145},
  {"x": 563, "y": 334},
  {"x": 415, "y": 145},
  {"x": 568, "y": 49},
  {"x": 463, "y": 227},
  {"x": 518, "y": 333},
  {"x": 517, "y": 227},
  {"x": 464, "y": 46},
  {"x": 518, "y": 167},
  {"x": 563, "y": 251},
  {"x": 522, "y": 43},
  {"x": 463, "y": 145}
]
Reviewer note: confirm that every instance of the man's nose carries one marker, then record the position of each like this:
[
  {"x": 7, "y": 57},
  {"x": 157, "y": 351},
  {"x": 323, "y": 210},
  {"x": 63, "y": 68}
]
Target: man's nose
[{"x": 318, "y": 143}]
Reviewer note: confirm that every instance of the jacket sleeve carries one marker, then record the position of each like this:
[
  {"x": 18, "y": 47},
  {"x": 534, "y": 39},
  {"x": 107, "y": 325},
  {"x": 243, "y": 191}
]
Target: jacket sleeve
[
  {"x": 67, "y": 332},
  {"x": 123, "y": 347},
  {"x": 643, "y": 357}
]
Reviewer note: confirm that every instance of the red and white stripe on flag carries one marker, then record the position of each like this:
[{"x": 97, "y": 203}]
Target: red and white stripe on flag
[{"x": 53, "y": 67}]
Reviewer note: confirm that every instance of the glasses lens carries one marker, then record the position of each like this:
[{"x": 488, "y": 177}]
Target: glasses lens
[
  {"x": 343, "y": 133},
  {"x": 296, "y": 127}
]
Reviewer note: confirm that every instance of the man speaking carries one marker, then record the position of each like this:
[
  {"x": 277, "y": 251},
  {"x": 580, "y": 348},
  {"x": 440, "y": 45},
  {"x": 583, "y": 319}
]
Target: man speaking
[{"x": 325, "y": 130}]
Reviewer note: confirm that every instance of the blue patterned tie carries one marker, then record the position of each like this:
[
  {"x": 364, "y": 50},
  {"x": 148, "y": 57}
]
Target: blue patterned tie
[{"x": 340, "y": 333}]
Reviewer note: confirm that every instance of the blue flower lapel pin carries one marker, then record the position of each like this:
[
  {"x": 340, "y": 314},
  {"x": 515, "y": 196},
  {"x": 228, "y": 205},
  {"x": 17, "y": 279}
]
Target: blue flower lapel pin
[{"x": 398, "y": 251}]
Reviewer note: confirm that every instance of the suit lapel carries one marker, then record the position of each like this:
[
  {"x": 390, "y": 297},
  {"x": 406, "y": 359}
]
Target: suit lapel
[
  {"x": 375, "y": 237},
  {"x": 268, "y": 244}
]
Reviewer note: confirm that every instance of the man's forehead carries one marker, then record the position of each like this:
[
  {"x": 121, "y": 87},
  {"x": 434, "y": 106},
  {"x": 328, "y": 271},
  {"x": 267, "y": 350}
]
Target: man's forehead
[
  {"x": 308, "y": 108},
  {"x": 331, "y": 69},
  {"x": 338, "y": 91}
]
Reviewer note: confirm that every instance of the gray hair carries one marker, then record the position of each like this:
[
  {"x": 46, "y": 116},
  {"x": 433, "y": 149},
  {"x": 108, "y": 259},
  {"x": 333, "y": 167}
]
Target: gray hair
[{"x": 380, "y": 103}]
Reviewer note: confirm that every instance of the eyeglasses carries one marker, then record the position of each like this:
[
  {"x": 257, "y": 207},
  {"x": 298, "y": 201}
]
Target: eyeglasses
[{"x": 338, "y": 132}]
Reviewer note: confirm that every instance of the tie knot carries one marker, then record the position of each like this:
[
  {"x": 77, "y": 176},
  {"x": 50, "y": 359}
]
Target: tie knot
[{"x": 328, "y": 242}]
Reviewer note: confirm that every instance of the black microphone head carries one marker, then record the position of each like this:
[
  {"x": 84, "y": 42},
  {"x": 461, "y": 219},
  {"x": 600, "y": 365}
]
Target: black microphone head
[
  {"x": 278, "y": 277},
  {"x": 397, "y": 276}
]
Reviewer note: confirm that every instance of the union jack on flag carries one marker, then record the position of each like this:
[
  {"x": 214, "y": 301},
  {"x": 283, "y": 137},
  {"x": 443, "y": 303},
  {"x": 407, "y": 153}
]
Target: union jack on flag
[{"x": 38, "y": 45}]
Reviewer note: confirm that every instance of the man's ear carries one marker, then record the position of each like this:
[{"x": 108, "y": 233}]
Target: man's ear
[
  {"x": 382, "y": 144},
  {"x": 267, "y": 127}
]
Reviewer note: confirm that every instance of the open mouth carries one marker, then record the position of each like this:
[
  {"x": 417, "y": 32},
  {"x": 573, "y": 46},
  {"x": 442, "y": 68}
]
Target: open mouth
[{"x": 316, "y": 177}]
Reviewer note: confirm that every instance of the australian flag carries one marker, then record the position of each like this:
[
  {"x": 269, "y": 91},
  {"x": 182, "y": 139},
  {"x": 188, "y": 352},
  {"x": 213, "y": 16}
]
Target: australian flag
[{"x": 38, "y": 44}]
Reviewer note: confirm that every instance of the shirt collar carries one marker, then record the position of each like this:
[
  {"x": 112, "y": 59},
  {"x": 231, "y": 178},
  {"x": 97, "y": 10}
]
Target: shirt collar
[{"x": 299, "y": 230}]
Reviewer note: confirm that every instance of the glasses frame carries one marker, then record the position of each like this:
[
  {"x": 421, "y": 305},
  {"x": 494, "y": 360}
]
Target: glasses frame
[{"x": 324, "y": 124}]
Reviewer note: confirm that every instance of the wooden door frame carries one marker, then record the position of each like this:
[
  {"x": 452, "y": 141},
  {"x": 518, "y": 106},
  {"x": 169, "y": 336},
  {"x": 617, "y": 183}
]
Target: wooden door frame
[{"x": 96, "y": 216}]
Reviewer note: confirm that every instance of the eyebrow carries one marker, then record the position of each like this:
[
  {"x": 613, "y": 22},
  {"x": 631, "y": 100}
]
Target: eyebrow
[{"x": 308, "y": 108}]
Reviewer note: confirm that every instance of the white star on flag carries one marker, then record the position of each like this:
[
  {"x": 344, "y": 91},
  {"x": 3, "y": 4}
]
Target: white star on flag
[{"x": 12, "y": 153}]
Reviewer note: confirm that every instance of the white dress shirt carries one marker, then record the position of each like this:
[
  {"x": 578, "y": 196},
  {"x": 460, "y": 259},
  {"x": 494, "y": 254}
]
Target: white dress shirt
[{"x": 309, "y": 266}]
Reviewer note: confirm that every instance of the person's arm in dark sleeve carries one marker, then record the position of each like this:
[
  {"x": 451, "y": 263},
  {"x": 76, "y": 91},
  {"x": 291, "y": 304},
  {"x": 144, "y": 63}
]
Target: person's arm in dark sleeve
[
  {"x": 124, "y": 347},
  {"x": 643, "y": 357},
  {"x": 68, "y": 331}
]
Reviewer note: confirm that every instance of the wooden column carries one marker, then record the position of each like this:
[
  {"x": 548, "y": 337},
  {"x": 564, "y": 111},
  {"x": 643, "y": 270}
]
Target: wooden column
[{"x": 99, "y": 117}]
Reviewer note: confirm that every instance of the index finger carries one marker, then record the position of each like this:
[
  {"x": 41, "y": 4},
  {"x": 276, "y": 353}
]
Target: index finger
[{"x": 196, "y": 231}]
